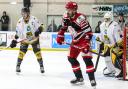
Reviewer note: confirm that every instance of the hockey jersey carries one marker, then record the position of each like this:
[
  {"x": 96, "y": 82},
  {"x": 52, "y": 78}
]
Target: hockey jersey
[
  {"x": 110, "y": 32},
  {"x": 27, "y": 30},
  {"x": 77, "y": 25}
]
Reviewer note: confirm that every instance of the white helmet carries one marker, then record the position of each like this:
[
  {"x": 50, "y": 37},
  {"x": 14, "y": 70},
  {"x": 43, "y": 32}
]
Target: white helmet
[{"x": 108, "y": 15}]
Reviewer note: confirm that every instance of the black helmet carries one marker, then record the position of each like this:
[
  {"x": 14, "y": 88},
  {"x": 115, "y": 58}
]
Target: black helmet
[
  {"x": 121, "y": 14},
  {"x": 25, "y": 9}
]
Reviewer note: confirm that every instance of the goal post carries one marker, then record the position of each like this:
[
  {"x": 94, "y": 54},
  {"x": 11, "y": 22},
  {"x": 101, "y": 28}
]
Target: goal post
[{"x": 125, "y": 54}]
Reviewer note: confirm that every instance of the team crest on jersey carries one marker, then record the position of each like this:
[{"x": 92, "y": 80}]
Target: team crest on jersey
[{"x": 28, "y": 28}]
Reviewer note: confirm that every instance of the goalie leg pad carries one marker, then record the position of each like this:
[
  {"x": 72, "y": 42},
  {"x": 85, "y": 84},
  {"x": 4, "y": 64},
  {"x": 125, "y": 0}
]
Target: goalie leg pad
[
  {"x": 117, "y": 61},
  {"x": 109, "y": 65}
]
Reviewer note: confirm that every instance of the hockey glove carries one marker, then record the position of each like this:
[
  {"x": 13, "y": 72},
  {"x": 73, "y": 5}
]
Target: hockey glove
[
  {"x": 88, "y": 35},
  {"x": 60, "y": 37},
  {"x": 13, "y": 43},
  {"x": 60, "y": 40},
  {"x": 66, "y": 22},
  {"x": 106, "y": 51}
]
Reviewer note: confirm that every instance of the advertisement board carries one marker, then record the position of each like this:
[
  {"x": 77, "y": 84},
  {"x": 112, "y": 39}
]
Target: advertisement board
[
  {"x": 47, "y": 40},
  {"x": 68, "y": 39}
]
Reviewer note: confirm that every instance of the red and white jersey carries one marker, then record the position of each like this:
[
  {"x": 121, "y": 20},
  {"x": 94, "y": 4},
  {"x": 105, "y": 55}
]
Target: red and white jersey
[
  {"x": 110, "y": 32},
  {"x": 27, "y": 30},
  {"x": 77, "y": 26}
]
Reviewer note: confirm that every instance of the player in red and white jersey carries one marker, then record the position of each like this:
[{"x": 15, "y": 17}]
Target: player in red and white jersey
[{"x": 81, "y": 32}]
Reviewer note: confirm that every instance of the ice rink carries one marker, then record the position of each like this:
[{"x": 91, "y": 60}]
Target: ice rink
[{"x": 58, "y": 72}]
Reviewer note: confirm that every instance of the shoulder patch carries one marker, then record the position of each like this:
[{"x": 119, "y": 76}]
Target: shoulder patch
[{"x": 80, "y": 18}]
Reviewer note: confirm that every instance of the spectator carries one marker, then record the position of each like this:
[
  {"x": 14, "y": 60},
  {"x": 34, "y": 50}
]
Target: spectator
[
  {"x": 52, "y": 27},
  {"x": 121, "y": 20},
  {"x": 4, "y": 22},
  {"x": 97, "y": 29}
]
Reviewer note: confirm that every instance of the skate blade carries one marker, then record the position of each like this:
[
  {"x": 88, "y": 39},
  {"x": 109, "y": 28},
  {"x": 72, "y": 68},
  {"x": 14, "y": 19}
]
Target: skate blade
[
  {"x": 77, "y": 84},
  {"x": 17, "y": 73},
  {"x": 94, "y": 87}
]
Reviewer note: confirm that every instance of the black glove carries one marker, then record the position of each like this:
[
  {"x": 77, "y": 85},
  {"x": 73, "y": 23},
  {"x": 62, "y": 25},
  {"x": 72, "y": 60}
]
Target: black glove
[
  {"x": 13, "y": 43},
  {"x": 37, "y": 32},
  {"x": 66, "y": 22}
]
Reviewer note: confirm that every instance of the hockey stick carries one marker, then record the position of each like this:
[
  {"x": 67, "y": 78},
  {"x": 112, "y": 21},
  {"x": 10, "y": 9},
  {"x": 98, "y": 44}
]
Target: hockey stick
[
  {"x": 82, "y": 48},
  {"x": 9, "y": 45},
  {"x": 98, "y": 57}
]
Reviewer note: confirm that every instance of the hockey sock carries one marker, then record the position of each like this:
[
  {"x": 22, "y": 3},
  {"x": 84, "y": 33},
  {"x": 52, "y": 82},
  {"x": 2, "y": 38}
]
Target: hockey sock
[
  {"x": 91, "y": 76},
  {"x": 19, "y": 62},
  {"x": 40, "y": 61},
  {"x": 75, "y": 67},
  {"x": 78, "y": 74}
]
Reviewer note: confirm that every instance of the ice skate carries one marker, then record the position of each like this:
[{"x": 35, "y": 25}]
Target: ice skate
[
  {"x": 78, "y": 81},
  {"x": 107, "y": 73},
  {"x": 42, "y": 69},
  {"x": 18, "y": 70},
  {"x": 119, "y": 76},
  {"x": 93, "y": 84}
]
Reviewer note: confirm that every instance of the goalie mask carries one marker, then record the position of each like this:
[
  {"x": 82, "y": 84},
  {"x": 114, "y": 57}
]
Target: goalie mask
[{"x": 108, "y": 17}]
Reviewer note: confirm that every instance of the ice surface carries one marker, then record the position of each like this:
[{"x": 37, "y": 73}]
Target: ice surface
[{"x": 58, "y": 72}]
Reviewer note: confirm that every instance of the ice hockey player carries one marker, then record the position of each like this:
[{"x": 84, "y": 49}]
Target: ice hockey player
[
  {"x": 111, "y": 37},
  {"x": 81, "y": 33},
  {"x": 28, "y": 29}
]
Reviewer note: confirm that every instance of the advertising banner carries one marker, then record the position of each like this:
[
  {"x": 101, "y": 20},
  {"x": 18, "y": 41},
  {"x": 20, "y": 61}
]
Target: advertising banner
[
  {"x": 120, "y": 9},
  {"x": 47, "y": 40},
  {"x": 68, "y": 39}
]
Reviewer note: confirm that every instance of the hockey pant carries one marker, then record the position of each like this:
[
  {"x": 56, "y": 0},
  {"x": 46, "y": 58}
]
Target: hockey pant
[
  {"x": 72, "y": 58},
  {"x": 36, "y": 50}
]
